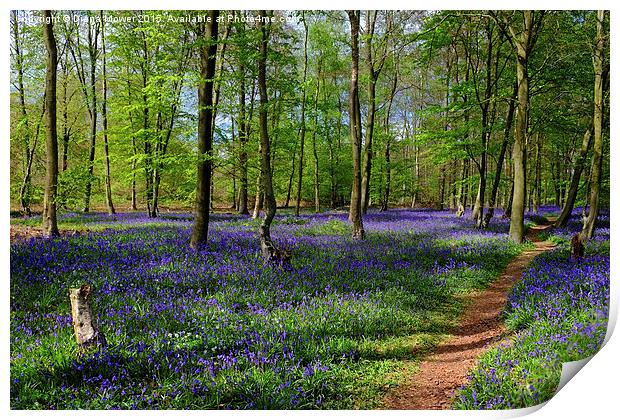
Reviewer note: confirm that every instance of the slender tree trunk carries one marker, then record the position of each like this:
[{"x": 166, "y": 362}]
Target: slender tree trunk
[
  {"x": 208, "y": 52},
  {"x": 574, "y": 185},
  {"x": 260, "y": 195},
  {"x": 50, "y": 226},
  {"x": 388, "y": 135},
  {"x": 302, "y": 129},
  {"x": 355, "y": 213},
  {"x": 442, "y": 186},
  {"x": 24, "y": 192},
  {"x": 500, "y": 160},
  {"x": 537, "y": 174},
  {"x": 269, "y": 251},
  {"x": 597, "y": 155},
  {"x": 104, "y": 116},
  {"x": 370, "y": 127},
  {"x": 290, "y": 180},
  {"x": 317, "y": 184},
  {"x": 92, "y": 50},
  {"x": 65, "y": 117},
  {"x": 461, "y": 197},
  {"x": 134, "y": 148},
  {"x": 243, "y": 140},
  {"x": 148, "y": 171}
]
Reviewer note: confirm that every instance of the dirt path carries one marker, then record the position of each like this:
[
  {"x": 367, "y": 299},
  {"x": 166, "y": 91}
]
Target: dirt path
[{"x": 441, "y": 373}]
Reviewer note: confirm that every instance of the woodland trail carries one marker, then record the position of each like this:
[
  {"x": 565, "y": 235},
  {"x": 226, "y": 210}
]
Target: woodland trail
[{"x": 441, "y": 373}]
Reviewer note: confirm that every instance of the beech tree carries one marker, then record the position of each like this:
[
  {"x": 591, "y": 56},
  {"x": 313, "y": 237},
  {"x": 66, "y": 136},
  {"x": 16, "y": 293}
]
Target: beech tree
[
  {"x": 50, "y": 225},
  {"x": 208, "y": 50},
  {"x": 355, "y": 130},
  {"x": 522, "y": 39},
  {"x": 599, "y": 61}
]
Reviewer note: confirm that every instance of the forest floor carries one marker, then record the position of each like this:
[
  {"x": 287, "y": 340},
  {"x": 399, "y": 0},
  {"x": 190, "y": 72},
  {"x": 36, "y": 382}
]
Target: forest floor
[
  {"x": 24, "y": 233},
  {"x": 441, "y": 373}
]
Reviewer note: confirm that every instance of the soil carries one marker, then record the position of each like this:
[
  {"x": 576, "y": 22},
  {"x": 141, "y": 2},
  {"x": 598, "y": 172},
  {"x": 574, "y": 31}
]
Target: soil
[
  {"x": 21, "y": 233},
  {"x": 441, "y": 373}
]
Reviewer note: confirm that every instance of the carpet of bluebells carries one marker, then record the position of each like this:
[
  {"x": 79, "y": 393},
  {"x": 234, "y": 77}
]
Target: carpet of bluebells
[
  {"x": 218, "y": 328},
  {"x": 559, "y": 311}
]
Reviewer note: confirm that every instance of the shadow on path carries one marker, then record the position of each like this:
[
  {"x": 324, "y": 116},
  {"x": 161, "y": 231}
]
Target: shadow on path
[{"x": 442, "y": 372}]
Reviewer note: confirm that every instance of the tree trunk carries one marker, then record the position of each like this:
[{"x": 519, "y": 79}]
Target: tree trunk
[
  {"x": 65, "y": 117},
  {"x": 574, "y": 185},
  {"x": 518, "y": 153},
  {"x": 500, "y": 160},
  {"x": 24, "y": 192},
  {"x": 208, "y": 52},
  {"x": 104, "y": 117},
  {"x": 270, "y": 253},
  {"x": 370, "y": 127},
  {"x": 317, "y": 185},
  {"x": 290, "y": 180},
  {"x": 134, "y": 148},
  {"x": 461, "y": 198},
  {"x": 93, "y": 34},
  {"x": 260, "y": 196},
  {"x": 243, "y": 141},
  {"x": 597, "y": 155},
  {"x": 355, "y": 213},
  {"x": 148, "y": 172},
  {"x": 522, "y": 40},
  {"x": 302, "y": 129},
  {"x": 87, "y": 333},
  {"x": 50, "y": 226},
  {"x": 537, "y": 174}
]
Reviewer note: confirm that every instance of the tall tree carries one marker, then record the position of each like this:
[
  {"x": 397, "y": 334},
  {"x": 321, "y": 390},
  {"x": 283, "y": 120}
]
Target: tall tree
[
  {"x": 50, "y": 226},
  {"x": 355, "y": 129},
  {"x": 269, "y": 251},
  {"x": 571, "y": 195},
  {"x": 104, "y": 117},
  {"x": 93, "y": 53},
  {"x": 302, "y": 128},
  {"x": 208, "y": 51},
  {"x": 24, "y": 192},
  {"x": 599, "y": 62},
  {"x": 375, "y": 65},
  {"x": 522, "y": 39},
  {"x": 500, "y": 160}
]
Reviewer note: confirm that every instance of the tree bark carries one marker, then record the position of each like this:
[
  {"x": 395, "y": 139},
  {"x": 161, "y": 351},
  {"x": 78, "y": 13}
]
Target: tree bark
[
  {"x": 270, "y": 253},
  {"x": 208, "y": 52},
  {"x": 243, "y": 140},
  {"x": 24, "y": 192},
  {"x": 317, "y": 184},
  {"x": 355, "y": 213},
  {"x": 569, "y": 204},
  {"x": 500, "y": 160},
  {"x": 50, "y": 226},
  {"x": 522, "y": 42},
  {"x": 302, "y": 129},
  {"x": 87, "y": 333},
  {"x": 93, "y": 34},
  {"x": 104, "y": 117},
  {"x": 597, "y": 156}
]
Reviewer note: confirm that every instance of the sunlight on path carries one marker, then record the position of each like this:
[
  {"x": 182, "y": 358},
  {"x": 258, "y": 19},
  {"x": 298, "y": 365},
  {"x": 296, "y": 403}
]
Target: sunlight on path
[{"x": 442, "y": 372}]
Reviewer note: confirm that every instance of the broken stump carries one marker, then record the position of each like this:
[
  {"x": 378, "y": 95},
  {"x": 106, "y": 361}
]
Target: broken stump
[{"x": 87, "y": 333}]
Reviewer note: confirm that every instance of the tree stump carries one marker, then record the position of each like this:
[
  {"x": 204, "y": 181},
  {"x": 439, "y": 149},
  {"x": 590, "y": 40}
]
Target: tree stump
[
  {"x": 273, "y": 255},
  {"x": 577, "y": 246},
  {"x": 87, "y": 333}
]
